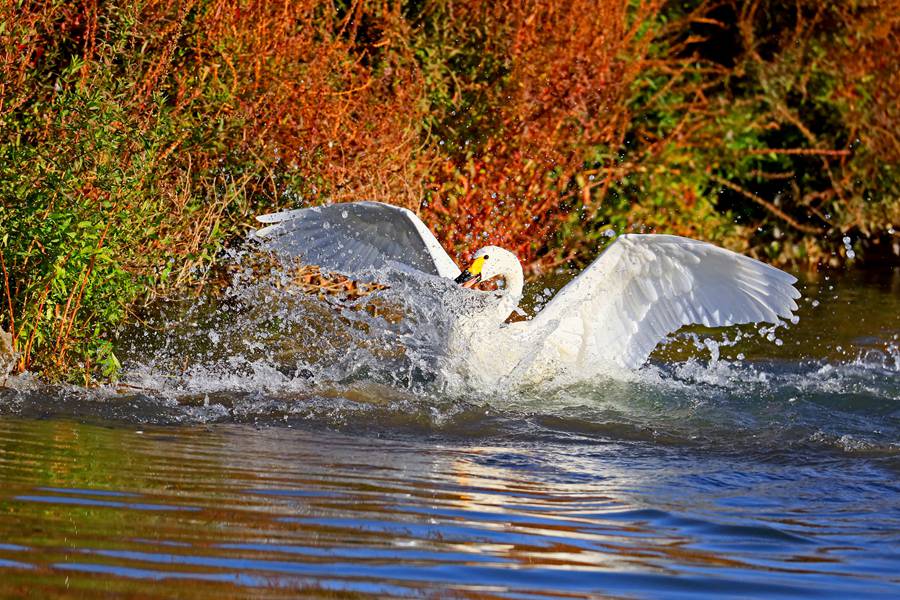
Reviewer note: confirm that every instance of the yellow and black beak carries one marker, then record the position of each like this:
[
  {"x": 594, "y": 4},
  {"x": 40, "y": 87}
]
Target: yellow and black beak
[{"x": 471, "y": 276}]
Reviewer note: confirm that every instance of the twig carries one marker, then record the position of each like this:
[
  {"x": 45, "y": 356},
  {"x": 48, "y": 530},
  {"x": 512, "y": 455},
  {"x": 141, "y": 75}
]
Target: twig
[
  {"x": 768, "y": 206},
  {"x": 800, "y": 151},
  {"x": 12, "y": 320}
]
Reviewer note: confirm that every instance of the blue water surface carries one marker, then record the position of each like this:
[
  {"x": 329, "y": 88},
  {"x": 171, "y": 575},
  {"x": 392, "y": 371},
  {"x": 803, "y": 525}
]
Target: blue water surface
[{"x": 755, "y": 470}]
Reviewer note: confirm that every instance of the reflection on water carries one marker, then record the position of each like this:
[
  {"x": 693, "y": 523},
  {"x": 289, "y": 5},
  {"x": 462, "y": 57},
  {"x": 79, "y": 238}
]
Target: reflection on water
[
  {"x": 728, "y": 467},
  {"x": 87, "y": 508}
]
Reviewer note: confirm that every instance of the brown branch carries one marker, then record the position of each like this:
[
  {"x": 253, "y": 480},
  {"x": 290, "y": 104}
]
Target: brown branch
[
  {"x": 12, "y": 320},
  {"x": 25, "y": 359},
  {"x": 799, "y": 151},
  {"x": 66, "y": 327},
  {"x": 759, "y": 173},
  {"x": 768, "y": 206}
]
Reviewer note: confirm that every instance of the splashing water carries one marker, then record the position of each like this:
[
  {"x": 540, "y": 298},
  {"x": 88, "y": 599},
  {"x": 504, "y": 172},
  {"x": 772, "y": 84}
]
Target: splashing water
[
  {"x": 262, "y": 333},
  {"x": 261, "y": 352}
]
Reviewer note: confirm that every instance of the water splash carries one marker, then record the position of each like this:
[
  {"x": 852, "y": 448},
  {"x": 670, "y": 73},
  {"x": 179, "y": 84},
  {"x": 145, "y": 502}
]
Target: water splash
[
  {"x": 260, "y": 334},
  {"x": 259, "y": 353}
]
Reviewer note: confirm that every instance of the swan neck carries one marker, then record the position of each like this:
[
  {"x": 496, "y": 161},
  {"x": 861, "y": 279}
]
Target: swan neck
[{"x": 515, "y": 283}]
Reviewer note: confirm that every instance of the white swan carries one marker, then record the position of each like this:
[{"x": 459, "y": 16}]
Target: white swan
[{"x": 608, "y": 319}]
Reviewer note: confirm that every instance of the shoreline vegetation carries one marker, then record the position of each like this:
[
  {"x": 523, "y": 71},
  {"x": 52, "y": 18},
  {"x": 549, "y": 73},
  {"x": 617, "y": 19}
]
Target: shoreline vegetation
[{"x": 138, "y": 139}]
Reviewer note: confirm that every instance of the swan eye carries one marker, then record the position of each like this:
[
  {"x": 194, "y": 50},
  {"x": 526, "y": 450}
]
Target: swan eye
[{"x": 485, "y": 257}]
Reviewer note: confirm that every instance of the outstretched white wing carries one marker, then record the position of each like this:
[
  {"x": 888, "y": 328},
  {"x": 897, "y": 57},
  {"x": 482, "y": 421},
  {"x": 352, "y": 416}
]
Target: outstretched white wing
[
  {"x": 645, "y": 287},
  {"x": 356, "y": 236}
]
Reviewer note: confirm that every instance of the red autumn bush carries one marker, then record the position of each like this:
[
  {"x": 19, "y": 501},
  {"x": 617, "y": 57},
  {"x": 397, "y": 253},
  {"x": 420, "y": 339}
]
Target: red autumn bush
[{"x": 558, "y": 113}]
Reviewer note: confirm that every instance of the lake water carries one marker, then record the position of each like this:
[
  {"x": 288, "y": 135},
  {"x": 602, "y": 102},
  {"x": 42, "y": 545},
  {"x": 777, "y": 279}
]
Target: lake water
[{"x": 766, "y": 467}]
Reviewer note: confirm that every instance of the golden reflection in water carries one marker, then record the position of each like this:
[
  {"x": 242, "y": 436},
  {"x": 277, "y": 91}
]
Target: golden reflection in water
[
  {"x": 215, "y": 511},
  {"x": 572, "y": 512}
]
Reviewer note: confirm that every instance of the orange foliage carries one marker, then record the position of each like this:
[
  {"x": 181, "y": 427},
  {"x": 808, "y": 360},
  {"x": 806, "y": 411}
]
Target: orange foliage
[
  {"x": 566, "y": 92},
  {"x": 304, "y": 102},
  {"x": 304, "y": 81},
  {"x": 873, "y": 56},
  {"x": 294, "y": 82}
]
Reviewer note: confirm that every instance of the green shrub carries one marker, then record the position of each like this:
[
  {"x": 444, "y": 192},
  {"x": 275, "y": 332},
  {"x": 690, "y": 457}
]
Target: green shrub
[{"x": 767, "y": 127}]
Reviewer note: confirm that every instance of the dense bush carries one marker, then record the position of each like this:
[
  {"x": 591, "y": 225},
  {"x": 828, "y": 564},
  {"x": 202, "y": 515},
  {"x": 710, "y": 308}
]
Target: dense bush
[
  {"x": 770, "y": 127},
  {"x": 136, "y": 138}
]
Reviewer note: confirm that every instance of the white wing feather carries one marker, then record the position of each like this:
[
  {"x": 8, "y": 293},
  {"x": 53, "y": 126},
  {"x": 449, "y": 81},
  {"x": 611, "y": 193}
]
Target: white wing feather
[
  {"x": 357, "y": 236},
  {"x": 645, "y": 287}
]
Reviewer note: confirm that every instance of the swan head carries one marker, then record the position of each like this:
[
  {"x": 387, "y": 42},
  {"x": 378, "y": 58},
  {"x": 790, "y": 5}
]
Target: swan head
[{"x": 492, "y": 262}]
